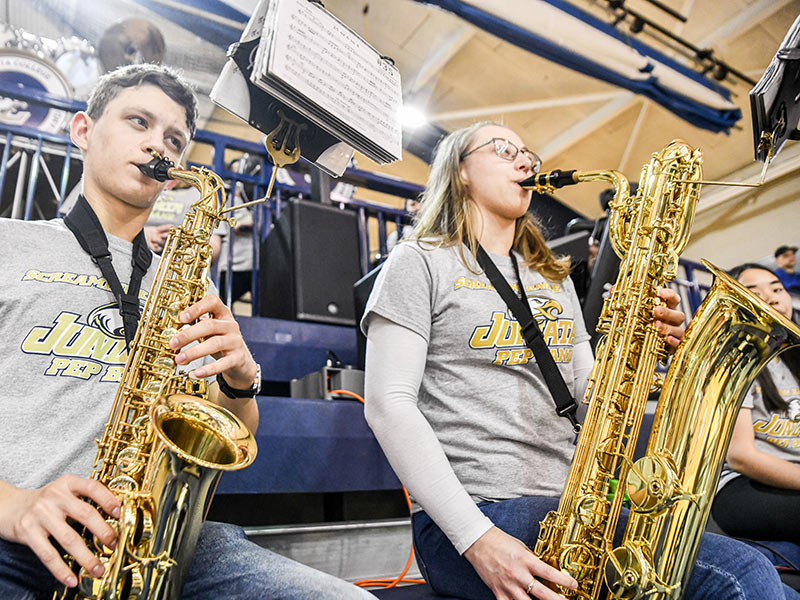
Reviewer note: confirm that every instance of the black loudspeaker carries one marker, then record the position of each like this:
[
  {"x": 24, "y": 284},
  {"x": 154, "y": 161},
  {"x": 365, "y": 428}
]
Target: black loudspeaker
[
  {"x": 361, "y": 291},
  {"x": 309, "y": 263}
]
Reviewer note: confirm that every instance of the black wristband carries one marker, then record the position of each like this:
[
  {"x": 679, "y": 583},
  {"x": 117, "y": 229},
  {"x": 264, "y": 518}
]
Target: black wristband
[{"x": 232, "y": 392}]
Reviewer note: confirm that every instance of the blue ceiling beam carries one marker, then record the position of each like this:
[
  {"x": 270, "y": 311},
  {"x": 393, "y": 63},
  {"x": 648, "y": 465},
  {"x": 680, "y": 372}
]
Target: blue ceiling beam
[{"x": 685, "y": 107}]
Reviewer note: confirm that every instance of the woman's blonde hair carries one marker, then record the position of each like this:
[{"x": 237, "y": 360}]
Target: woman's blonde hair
[{"x": 445, "y": 215}]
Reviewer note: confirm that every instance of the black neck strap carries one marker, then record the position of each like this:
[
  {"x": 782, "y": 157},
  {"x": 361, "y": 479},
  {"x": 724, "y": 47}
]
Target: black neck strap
[
  {"x": 565, "y": 404},
  {"x": 84, "y": 224}
]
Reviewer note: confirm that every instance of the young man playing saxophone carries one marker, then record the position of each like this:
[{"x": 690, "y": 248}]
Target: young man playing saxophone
[{"x": 63, "y": 351}]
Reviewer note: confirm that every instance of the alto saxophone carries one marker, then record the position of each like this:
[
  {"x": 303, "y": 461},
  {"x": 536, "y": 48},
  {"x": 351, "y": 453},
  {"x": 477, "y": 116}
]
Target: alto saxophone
[
  {"x": 165, "y": 443},
  {"x": 732, "y": 336}
]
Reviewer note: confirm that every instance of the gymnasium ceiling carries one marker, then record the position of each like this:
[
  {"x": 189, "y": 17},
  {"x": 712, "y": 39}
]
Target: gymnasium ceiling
[{"x": 458, "y": 73}]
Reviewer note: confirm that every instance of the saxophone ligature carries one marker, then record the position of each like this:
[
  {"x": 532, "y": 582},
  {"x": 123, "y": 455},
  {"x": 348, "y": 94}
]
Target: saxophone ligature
[
  {"x": 732, "y": 336},
  {"x": 165, "y": 443}
]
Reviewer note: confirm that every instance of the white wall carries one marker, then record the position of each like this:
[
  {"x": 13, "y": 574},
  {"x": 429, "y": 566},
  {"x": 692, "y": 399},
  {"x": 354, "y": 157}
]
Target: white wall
[{"x": 736, "y": 225}]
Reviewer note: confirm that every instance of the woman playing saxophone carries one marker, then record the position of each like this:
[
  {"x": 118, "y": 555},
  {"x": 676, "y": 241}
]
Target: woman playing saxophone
[{"x": 458, "y": 404}]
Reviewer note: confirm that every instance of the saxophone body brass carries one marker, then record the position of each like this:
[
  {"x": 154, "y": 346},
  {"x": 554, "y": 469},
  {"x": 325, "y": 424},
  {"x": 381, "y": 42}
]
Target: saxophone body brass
[
  {"x": 648, "y": 231},
  {"x": 165, "y": 444},
  {"x": 732, "y": 336}
]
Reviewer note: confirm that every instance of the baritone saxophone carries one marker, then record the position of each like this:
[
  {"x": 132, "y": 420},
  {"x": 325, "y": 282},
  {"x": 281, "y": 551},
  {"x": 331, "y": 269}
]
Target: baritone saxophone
[
  {"x": 165, "y": 443},
  {"x": 732, "y": 336}
]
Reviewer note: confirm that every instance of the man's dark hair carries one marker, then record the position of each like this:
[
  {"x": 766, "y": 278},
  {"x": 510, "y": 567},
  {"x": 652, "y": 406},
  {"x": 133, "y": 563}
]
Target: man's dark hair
[
  {"x": 781, "y": 249},
  {"x": 166, "y": 78}
]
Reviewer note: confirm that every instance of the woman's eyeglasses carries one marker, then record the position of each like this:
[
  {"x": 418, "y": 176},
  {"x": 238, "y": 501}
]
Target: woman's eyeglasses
[{"x": 508, "y": 151}]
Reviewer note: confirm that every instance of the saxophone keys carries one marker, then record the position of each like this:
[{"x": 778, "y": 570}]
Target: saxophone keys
[
  {"x": 168, "y": 334},
  {"x": 657, "y": 383},
  {"x": 123, "y": 579},
  {"x": 130, "y": 461},
  {"x": 100, "y": 548},
  {"x": 579, "y": 562},
  {"x": 591, "y": 510},
  {"x": 652, "y": 484},
  {"x": 152, "y": 389},
  {"x": 174, "y": 311},
  {"x": 202, "y": 235},
  {"x": 628, "y": 572},
  {"x": 88, "y": 586},
  {"x": 608, "y": 453},
  {"x": 164, "y": 365}
]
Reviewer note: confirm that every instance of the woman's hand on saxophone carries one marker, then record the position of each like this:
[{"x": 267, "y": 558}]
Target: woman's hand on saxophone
[
  {"x": 30, "y": 517},
  {"x": 218, "y": 335},
  {"x": 511, "y": 570},
  {"x": 668, "y": 319}
]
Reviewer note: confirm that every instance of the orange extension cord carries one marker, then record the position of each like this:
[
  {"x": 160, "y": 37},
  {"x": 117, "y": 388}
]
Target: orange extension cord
[{"x": 384, "y": 583}]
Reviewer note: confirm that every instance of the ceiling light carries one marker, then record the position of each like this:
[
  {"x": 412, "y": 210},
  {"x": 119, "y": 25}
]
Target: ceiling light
[{"x": 412, "y": 117}]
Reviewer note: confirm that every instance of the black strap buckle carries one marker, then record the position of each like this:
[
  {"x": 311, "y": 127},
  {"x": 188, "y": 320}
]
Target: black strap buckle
[
  {"x": 129, "y": 304},
  {"x": 531, "y": 331},
  {"x": 569, "y": 413}
]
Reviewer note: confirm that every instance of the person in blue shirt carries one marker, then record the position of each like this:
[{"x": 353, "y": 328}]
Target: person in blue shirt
[{"x": 785, "y": 259}]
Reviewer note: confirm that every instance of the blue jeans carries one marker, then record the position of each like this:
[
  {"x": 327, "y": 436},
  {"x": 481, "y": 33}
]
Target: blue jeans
[
  {"x": 225, "y": 565},
  {"x": 724, "y": 569}
]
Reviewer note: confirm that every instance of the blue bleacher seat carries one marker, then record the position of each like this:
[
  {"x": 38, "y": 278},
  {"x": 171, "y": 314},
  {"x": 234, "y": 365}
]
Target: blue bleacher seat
[
  {"x": 307, "y": 445},
  {"x": 312, "y": 446},
  {"x": 291, "y": 349}
]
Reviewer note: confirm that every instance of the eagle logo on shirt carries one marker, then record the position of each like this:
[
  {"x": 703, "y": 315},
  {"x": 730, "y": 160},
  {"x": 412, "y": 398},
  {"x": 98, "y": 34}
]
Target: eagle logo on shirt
[
  {"x": 793, "y": 409},
  {"x": 107, "y": 319},
  {"x": 549, "y": 309}
]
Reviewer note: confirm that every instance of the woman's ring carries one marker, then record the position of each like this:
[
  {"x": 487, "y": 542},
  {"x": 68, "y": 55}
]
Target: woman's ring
[{"x": 530, "y": 587}]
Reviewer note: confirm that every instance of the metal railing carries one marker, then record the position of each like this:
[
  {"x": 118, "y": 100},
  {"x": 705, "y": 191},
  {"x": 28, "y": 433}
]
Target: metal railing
[
  {"x": 31, "y": 147},
  {"x": 33, "y": 151}
]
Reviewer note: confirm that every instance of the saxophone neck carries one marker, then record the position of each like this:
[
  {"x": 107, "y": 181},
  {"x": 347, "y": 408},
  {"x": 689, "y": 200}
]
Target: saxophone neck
[
  {"x": 549, "y": 181},
  {"x": 208, "y": 183}
]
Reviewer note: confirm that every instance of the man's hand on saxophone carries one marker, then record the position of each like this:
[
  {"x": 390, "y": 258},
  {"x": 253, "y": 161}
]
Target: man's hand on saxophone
[
  {"x": 218, "y": 335},
  {"x": 33, "y": 517}
]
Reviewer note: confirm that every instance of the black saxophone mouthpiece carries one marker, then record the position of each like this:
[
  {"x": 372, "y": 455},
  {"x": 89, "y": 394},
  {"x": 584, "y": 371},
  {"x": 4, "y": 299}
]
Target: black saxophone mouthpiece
[
  {"x": 158, "y": 168},
  {"x": 556, "y": 179}
]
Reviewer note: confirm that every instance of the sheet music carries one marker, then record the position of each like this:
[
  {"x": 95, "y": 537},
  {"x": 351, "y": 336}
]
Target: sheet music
[
  {"x": 312, "y": 61},
  {"x": 256, "y": 22},
  {"x": 764, "y": 94}
]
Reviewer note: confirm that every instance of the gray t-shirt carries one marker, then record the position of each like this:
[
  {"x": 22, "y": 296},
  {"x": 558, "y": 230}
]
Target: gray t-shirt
[
  {"x": 242, "y": 236},
  {"x": 63, "y": 348},
  {"x": 481, "y": 391},
  {"x": 776, "y": 433},
  {"x": 171, "y": 205}
]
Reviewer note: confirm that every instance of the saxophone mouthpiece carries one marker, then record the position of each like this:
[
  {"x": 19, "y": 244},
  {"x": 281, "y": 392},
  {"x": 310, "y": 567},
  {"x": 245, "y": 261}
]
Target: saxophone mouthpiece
[
  {"x": 555, "y": 179},
  {"x": 158, "y": 168}
]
